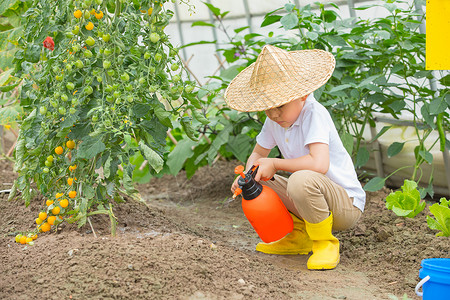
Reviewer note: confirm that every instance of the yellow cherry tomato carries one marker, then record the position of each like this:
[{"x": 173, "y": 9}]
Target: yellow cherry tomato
[
  {"x": 23, "y": 240},
  {"x": 51, "y": 220},
  {"x": 89, "y": 26},
  {"x": 42, "y": 215},
  {"x": 45, "y": 227},
  {"x": 56, "y": 210},
  {"x": 59, "y": 150},
  {"x": 64, "y": 203},
  {"x": 99, "y": 15},
  {"x": 77, "y": 14},
  {"x": 70, "y": 144}
]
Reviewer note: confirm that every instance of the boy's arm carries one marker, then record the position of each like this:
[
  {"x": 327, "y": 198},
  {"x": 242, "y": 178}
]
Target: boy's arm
[{"x": 317, "y": 160}]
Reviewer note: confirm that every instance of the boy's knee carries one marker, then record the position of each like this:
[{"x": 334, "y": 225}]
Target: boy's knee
[{"x": 303, "y": 183}]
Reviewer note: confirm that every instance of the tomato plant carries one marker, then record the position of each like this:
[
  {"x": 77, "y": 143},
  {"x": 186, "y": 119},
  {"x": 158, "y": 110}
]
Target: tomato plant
[{"x": 104, "y": 87}]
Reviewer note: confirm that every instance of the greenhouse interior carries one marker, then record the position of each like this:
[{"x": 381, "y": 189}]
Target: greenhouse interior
[{"x": 191, "y": 150}]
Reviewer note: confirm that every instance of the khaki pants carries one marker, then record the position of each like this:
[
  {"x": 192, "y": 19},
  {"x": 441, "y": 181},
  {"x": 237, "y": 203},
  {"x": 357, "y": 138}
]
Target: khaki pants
[{"x": 311, "y": 196}]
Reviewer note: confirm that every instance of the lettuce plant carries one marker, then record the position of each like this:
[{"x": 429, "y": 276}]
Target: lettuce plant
[
  {"x": 406, "y": 203},
  {"x": 441, "y": 212}
]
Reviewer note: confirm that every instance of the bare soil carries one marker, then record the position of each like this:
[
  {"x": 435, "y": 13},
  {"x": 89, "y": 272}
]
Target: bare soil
[{"x": 186, "y": 240}]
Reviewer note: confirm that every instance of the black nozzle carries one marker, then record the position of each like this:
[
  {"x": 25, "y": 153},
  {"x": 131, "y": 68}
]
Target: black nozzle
[{"x": 250, "y": 187}]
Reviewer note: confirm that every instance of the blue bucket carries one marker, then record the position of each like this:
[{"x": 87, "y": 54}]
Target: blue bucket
[{"x": 435, "y": 275}]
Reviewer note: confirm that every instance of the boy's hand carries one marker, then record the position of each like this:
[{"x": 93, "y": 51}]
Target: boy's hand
[
  {"x": 266, "y": 169},
  {"x": 235, "y": 184}
]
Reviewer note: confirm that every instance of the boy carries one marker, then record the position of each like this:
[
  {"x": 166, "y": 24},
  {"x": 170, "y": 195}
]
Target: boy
[{"x": 323, "y": 192}]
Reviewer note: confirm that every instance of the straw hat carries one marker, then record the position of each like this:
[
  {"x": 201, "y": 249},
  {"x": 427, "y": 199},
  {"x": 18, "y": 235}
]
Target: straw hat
[{"x": 278, "y": 77}]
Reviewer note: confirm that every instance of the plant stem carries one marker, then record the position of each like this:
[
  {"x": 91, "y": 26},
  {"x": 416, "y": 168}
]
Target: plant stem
[
  {"x": 117, "y": 11},
  {"x": 92, "y": 228},
  {"x": 113, "y": 221}
]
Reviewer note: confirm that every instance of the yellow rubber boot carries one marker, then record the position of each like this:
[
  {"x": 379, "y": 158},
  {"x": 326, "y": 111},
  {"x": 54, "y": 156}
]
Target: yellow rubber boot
[
  {"x": 295, "y": 242},
  {"x": 325, "y": 246}
]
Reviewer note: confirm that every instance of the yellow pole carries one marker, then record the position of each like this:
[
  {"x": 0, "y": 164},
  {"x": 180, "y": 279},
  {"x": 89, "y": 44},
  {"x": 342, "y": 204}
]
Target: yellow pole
[{"x": 438, "y": 35}]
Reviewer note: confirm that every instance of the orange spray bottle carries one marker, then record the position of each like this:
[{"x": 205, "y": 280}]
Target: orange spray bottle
[{"x": 263, "y": 207}]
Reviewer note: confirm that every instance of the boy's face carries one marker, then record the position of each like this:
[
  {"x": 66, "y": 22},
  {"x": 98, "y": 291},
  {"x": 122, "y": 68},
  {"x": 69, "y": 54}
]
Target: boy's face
[{"x": 285, "y": 115}]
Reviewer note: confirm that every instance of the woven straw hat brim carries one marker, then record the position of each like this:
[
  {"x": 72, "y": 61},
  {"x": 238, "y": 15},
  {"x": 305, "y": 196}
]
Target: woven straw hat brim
[{"x": 279, "y": 77}]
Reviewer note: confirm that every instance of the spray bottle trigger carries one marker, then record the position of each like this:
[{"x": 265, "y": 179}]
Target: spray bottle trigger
[{"x": 254, "y": 170}]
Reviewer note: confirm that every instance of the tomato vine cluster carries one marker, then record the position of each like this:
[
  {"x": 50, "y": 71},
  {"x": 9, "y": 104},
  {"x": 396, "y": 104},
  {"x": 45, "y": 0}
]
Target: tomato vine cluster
[{"x": 104, "y": 87}]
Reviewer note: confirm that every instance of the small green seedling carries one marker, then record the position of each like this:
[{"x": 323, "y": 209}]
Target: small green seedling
[
  {"x": 441, "y": 212},
  {"x": 406, "y": 203}
]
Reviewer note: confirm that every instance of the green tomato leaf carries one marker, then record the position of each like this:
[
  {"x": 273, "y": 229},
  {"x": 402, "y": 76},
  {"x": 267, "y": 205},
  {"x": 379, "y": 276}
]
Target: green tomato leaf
[
  {"x": 8, "y": 4},
  {"x": 139, "y": 110},
  {"x": 140, "y": 174},
  {"x": 188, "y": 129},
  {"x": 7, "y": 88},
  {"x": 199, "y": 117},
  {"x": 107, "y": 168},
  {"x": 33, "y": 53},
  {"x": 5, "y": 76},
  {"x": 127, "y": 180},
  {"x": 153, "y": 158},
  {"x": 88, "y": 191},
  {"x": 90, "y": 147},
  {"x": 163, "y": 116},
  {"x": 8, "y": 114}
]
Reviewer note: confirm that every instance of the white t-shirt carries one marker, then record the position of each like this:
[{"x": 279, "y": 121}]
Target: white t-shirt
[{"x": 314, "y": 125}]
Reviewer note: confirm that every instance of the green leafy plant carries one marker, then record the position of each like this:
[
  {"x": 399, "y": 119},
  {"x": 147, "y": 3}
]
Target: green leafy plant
[
  {"x": 406, "y": 203},
  {"x": 101, "y": 86},
  {"x": 11, "y": 28},
  {"x": 380, "y": 70},
  {"x": 441, "y": 212},
  {"x": 9, "y": 107}
]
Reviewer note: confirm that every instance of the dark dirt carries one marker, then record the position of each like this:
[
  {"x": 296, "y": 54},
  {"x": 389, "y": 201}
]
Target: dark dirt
[{"x": 187, "y": 241}]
